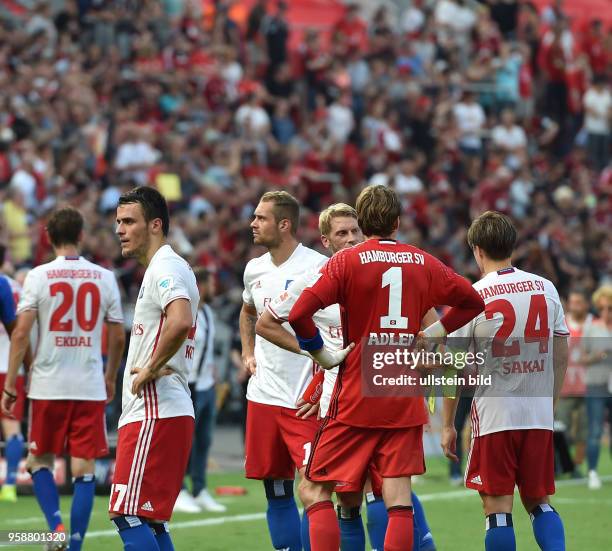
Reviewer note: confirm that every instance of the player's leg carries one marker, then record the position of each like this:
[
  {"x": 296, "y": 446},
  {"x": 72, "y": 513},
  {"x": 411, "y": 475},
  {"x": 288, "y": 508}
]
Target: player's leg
[
  {"x": 152, "y": 456},
  {"x": 423, "y": 539},
  {"x": 13, "y": 451},
  {"x": 324, "y": 532},
  {"x": 498, "y": 522},
  {"x": 399, "y": 455},
  {"x": 546, "y": 522},
  {"x": 352, "y": 533},
  {"x": 536, "y": 482},
  {"x": 376, "y": 510},
  {"x": 268, "y": 459},
  {"x": 86, "y": 441},
  {"x": 400, "y": 527},
  {"x": 44, "y": 445},
  {"x": 595, "y": 416},
  {"x": 84, "y": 489}
]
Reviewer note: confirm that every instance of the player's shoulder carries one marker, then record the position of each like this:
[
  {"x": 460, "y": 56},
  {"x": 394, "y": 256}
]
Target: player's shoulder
[
  {"x": 311, "y": 256},
  {"x": 257, "y": 264},
  {"x": 167, "y": 259},
  {"x": 545, "y": 284}
]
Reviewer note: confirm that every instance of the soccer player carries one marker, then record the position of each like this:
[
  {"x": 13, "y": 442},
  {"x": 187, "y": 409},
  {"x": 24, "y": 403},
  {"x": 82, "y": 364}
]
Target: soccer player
[
  {"x": 277, "y": 441},
  {"x": 204, "y": 397},
  {"x": 339, "y": 230},
  {"x": 524, "y": 336},
  {"x": 11, "y": 431},
  {"x": 385, "y": 429},
  {"x": 70, "y": 298},
  {"x": 156, "y": 423}
]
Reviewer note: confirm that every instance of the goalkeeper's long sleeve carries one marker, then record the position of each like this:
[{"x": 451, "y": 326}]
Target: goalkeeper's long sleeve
[{"x": 300, "y": 317}]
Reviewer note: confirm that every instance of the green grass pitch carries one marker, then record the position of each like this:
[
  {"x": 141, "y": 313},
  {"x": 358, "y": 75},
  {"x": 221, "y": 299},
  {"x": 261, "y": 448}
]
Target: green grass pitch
[{"x": 454, "y": 514}]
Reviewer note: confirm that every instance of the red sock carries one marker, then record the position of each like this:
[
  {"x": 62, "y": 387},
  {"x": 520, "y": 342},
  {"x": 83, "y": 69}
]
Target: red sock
[
  {"x": 400, "y": 532},
  {"x": 324, "y": 529}
]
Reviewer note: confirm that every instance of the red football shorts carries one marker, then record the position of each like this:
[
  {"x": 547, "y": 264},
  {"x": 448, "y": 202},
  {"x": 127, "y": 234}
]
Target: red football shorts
[
  {"x": 21, "y": 398},
  {"x": 375, "y": 482},
  {"x": 499, "y": 460},
  {"x": 152, "y": 456},
  {"x": 277, "y": 442},
  {"x": 344, "y": 453},
  {"x": 73, "y": 427}
]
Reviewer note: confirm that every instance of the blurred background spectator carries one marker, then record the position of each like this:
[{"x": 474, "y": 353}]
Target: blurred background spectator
[{"x": 460, "y": 105}]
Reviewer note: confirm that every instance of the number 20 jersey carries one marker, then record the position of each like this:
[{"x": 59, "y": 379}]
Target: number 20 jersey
[
  {"x": 73, "y": 298},
  {"x": 522, "y": 314}
]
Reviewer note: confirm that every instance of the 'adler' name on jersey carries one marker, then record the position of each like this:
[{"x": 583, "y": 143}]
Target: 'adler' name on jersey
[{"x": 392, "y": 258}]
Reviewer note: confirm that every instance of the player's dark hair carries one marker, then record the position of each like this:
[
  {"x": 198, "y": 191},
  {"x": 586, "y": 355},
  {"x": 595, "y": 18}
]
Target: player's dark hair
[
  {"x": 286, "y": 207},
  {"x": 494, "y": 233},
  {"x": 65, "y": 226},
  {"x": 152, "y": 202},
  {"x": 378, "y": 208}
]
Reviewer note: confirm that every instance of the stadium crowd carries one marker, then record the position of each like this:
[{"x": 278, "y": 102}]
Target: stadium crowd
[{"x": 460, "y": 106}]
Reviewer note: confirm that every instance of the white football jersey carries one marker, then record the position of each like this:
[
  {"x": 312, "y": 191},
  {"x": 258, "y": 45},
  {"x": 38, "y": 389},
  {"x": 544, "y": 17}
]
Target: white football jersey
[
  {"x": 5, "y": 342},
  {"x": 327, "y": 321},
  {"x": 167, "y": 278},
  {"x": 72, "y": 298},
  {"x": 281, "y": 377},
  {"x": 515, "y": 333}
]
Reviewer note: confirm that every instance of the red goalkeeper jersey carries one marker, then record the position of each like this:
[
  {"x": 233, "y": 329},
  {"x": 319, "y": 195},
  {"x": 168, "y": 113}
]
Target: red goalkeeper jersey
[{"x": 384, "y": 288}]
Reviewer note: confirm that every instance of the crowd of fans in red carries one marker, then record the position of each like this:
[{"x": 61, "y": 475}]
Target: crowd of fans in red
[{"x": 461, "y": 106}]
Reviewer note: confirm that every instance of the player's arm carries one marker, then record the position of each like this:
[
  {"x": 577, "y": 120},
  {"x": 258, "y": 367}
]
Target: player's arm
[
  {"x": 20, "y": 343},
  {"x": 177, "y": 324},
  {"x": 324, "y": 292},
  {"x": 448, "y": 439},
  {"x": 271, "y": 329},
  {"x": 247, "y": 322},
  {"x": 560, "y": 358},
  {"x": 451, "y": 289},
  {"x": 115, "y": 335}
]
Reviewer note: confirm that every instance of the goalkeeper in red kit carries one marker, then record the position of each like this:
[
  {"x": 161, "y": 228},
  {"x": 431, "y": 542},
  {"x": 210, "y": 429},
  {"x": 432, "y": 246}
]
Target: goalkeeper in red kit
[{"x": 362, "y": 427}]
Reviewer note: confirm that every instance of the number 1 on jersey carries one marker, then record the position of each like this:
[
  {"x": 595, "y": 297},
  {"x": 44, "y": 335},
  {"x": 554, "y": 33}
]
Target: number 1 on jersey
[{"x": 392, "y": 278}]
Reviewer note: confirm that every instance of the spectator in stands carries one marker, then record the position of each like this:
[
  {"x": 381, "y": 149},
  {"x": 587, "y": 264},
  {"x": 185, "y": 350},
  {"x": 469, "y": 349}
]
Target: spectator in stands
[
  {"x": 597, "y": 357},
  {"x": 597, "y": 117}
]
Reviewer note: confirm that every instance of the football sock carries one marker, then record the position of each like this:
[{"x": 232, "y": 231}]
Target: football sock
[
  {"x": 423, "y": 540},
  {"x": 352, "y": 534},
  {"x": 324, "y": 529},
  {"x": 400, "y": 528},
  {"x": 377, "y": 521},
  {"x": 47, "y": 496},
  {"x": 305, "y": 531},
  {"x": 282, "y": 515},
  {"x": 548, "y": 528},
  {"x": 13, "y": 451},
  {"x": 80, "y": 512},
  {"x": 162, "y": 535},
  {"x": 136, "y": 535},
  {"x": 500, "y": 533}
]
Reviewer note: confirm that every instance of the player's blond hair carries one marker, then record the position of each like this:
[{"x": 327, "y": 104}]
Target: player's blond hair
[
  {"x": 604, "y": 292},
  {"x": 286, "y": 207},
  {"x": 378, "y": 209},
  {"x": 334, "y": 211}
]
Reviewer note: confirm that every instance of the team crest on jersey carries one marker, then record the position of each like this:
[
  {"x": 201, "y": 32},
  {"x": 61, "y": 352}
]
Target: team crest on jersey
[{"x": 167, "y": 282}]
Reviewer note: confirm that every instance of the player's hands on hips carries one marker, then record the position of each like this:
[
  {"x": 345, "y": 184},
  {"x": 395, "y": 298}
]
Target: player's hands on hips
[
  {"x": 144, "y": 375},
  {"x": 9, "y": 397},
  {"x": 250, "y": 364},
  {"x": 306, "y": 409},
  {"x": 328, "y": 359},
  {"x": 448, "y": 442}
]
